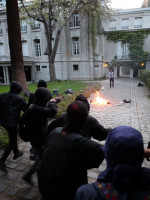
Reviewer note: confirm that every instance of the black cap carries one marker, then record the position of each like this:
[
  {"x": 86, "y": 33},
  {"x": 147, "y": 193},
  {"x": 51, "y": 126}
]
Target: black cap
[
  {"x": 42, "y": 83},
  {"x": 15, "y": 87}
]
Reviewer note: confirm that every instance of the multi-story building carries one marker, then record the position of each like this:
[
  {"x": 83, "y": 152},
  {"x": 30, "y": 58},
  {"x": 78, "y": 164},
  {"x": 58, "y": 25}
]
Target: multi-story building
[
  {"x": 124, "y": 20},
  {"x": 74, "y": 59}
]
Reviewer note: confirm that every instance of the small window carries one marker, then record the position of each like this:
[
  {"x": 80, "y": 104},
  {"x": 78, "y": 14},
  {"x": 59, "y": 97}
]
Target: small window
[
  {"x": 125, "y": 24},
  {"x": 112, "y": 25},
  {"x": 44, "y": 66},
  {"x": 38, "y": 68},
  {"x": 37, "y": 47},
  {"x": 138, "y": 22},
  {"x": 96, "y": 66},
  {"x": 35, "y": 25},
  {"x": 75, "y": 67}
]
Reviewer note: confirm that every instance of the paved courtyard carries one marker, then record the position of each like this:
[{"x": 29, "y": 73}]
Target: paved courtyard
[{"x": 135, "y": 114}]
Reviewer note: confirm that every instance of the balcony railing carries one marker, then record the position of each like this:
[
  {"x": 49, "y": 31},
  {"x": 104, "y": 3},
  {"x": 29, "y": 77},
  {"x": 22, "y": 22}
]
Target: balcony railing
[
  {"x": 74, "y": 24},
  {"x": 124, "y": 27},
  {"x": 112, "y": 28},
  {"x": 137, "y": 26},
  {"x": 35, "y": 27},
  {"x": 126, "y": 57}
]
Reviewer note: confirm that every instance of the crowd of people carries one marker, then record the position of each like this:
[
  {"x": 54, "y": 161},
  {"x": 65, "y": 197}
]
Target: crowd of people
[{"x": 63, "y": 150}]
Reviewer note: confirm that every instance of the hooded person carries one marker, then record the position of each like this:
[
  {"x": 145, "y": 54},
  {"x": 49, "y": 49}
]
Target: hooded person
[
  {"x": 37, "y": 119},
  {"x": 67, "y": 156},
  {"x": 92, "y": 128},
  {"x": 124, "y": 176},
  {"x": 11, "y": 105}
]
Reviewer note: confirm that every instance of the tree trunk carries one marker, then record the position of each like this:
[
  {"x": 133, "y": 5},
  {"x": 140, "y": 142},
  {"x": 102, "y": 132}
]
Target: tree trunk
[{"x": 15, "y": 45}]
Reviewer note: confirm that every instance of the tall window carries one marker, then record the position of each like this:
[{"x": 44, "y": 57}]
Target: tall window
[
  {"x": 0, "y": 28},
  {"x": 112, "y": 25},
  {"x": 2, "y": 53},
  {"x": 125, "y": 23},
  {"x": 25, "y": 48},
  {"x": 37, "y": 48},
  {"x": 125, "y": 50},
  {"x": 75, "y": 20},
  {"x": 23, "y": 25},
  {"x": 75, "y": 46},
  {"x": 35, "y": 25},
  {"x": 138, "y": 22}
]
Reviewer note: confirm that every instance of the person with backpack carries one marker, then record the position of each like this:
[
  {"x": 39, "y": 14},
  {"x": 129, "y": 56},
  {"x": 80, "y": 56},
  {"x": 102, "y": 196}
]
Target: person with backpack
[
  {"x": 124, "y": 178},
  {"x": 67, "y": 156},
  {"x": 11, "y": 105},
  {"x": 92, "y": 128},
  {"x": 36, "y": 120}
]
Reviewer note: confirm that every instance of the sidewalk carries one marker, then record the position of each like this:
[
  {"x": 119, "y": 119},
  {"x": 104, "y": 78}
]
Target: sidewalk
[{"x": 135, "y": 114}]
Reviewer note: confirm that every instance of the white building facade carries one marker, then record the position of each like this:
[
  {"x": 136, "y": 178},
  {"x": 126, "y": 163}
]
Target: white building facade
[{"x": 74, "y": 59}]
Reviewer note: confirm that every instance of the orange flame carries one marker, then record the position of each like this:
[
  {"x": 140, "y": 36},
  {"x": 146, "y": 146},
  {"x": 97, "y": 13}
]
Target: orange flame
[{"x": 98, "y": 100}]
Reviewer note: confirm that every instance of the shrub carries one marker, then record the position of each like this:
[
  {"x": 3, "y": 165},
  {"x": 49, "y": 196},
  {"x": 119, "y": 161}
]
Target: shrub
[{"x": 145, "y": 75}]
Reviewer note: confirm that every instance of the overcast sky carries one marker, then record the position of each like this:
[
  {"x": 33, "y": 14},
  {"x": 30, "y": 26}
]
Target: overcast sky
[{"x": 126, "y": 4}]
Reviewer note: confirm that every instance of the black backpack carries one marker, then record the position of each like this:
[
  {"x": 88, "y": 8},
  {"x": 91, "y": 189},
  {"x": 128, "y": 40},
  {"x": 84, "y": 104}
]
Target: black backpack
[{"x": 24, "y": 127}]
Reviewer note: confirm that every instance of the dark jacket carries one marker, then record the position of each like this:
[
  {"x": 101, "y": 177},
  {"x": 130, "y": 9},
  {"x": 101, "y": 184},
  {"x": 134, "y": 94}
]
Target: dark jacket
[
  {"x": 65, "y": 162},
  {"x": 11, "y": 105},
  {"x": 92, "y": 128},
  {"x": 37, "y": 120},
  {"x": 38, "y": 115}
]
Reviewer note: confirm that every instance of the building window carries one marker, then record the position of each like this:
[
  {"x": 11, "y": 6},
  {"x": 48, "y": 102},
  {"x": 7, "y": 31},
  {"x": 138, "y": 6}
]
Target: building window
[
  {"x": 37, "y": 47},
  {"x": 35, "y": 25},
  {"x": 2, "y": 52},
  {"x": 125, "y": 24},
  {"x": 75, "y": 20},
  {"x": 75, "y": 67},
  {"x": 25, "y": 48},
  {"x": 2, "y": 3},
  {"x": 112, "y": 25},
  {"x": 138, "y": 22},
  {"x": 38, "y": 68},
  {"x": 125, "y": 51},
  {"x": 0, "y": 28},
  {"x": 44, "y": 66},
  {"x": 75, "y": 46},
  {"x": 23, "y": 26}
]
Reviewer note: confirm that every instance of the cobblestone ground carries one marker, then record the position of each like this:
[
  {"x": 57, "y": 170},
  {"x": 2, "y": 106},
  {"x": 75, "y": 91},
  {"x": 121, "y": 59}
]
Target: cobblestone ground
[{"x": 135, "y": 114}]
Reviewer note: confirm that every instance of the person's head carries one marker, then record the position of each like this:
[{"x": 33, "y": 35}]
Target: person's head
[
  {"x": 77, "y": 113},
  {"x": 42, "y": 96},
  {"x": 82, "y": 98},
  {"x": 124, "y": 146},
  {"x": 42, "y": 83},
  {"x": 15, "y": 87}
]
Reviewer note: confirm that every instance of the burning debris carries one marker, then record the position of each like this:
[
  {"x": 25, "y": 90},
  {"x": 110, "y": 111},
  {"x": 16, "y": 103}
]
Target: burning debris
[{"x": 99, "y": 100}]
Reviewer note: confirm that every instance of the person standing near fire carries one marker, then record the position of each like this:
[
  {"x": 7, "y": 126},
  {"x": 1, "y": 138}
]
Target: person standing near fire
[{"x": 111, "y": 78}]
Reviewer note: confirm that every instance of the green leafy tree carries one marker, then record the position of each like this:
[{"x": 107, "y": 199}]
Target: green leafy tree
[
  {"x": 17, "y": 65},
  {"x": 55, "y": 14}
]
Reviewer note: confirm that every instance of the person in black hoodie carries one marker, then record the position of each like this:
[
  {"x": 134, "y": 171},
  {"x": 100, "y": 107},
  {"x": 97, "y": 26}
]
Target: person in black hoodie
[
  {"x": 37, "y": 116},
  {"x": 67, "y": 156},
  {"x": 92, "y": 128},
  {"x": 11, "y": 105}
]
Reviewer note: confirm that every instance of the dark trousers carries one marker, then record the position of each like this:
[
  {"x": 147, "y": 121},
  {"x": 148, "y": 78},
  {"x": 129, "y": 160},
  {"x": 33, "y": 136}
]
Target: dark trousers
[
  {"x": 37, "y": 155},
  {"x": 12, "y": 135},
  {"x": 112, "y": 82}
]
